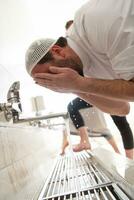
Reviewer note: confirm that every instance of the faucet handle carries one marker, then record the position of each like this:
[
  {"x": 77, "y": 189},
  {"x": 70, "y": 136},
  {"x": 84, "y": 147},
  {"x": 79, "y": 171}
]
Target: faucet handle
[{"x": 13, "y": 93}]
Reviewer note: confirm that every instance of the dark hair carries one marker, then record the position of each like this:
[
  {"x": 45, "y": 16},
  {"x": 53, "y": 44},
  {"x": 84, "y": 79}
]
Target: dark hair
[
  {"x": 68, "y": 24},
  {"x": 62, "y": 42}
]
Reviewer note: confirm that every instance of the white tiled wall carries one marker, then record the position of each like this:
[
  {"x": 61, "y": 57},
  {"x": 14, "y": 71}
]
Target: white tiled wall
[{"x": 26, "y": 158}]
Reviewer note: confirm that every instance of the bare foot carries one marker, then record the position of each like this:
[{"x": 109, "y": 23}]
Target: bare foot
[
  {"x": 64, "y": 145},
  {"x": 81, "y": 147}
]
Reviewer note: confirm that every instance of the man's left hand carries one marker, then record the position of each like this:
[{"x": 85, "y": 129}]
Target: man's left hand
[{"x": 60, "y": 79}]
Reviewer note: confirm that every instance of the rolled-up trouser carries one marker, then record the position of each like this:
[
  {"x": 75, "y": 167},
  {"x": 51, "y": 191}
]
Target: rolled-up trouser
[{"x": 73, "y": 109}]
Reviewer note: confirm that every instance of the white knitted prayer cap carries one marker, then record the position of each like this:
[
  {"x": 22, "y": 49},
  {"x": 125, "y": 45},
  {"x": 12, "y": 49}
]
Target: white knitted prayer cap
[{"x": 36, "y": 51}]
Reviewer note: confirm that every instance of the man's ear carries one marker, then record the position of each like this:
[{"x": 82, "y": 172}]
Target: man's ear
[{"x": 58, "y": 51}]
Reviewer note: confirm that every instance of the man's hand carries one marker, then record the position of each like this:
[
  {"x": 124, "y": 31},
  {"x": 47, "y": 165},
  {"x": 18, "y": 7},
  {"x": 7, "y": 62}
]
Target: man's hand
[{"x": 60, "y": 79}]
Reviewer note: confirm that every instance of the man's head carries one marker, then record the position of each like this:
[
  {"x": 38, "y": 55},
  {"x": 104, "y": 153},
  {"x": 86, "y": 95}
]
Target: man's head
[{"x": 44, "y": 53}]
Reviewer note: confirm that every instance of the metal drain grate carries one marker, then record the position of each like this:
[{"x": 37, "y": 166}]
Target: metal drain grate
[{"x": 77, "y": 177}]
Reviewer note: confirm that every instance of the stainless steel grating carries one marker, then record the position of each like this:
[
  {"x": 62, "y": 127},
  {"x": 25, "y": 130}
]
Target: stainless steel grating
[{"x": 77, "y": 177}]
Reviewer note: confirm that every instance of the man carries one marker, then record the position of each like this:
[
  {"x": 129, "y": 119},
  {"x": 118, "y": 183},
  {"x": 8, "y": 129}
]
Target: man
[
  {"x": 89, "y": 120},
  {"x": 100, "y": 45},
  {"x": 74, "y": 108}
]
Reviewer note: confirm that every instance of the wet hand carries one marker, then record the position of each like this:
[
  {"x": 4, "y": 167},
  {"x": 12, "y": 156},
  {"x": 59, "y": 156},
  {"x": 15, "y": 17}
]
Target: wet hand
[{"x": 59, "y": 79}]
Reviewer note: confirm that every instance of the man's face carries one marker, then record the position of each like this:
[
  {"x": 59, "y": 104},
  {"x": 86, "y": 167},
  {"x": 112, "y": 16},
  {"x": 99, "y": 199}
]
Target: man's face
[
  {"x": 64, "y": 58},
  {"x": 41, "y": 68},
  {"x": 69, "y": 63}
]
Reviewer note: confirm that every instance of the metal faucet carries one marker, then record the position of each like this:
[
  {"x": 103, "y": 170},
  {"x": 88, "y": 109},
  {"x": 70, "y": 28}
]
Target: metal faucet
[
  {"x": 10, "y": 109},
  {"x": 13, "y": 107},
  {"x": 64, "y": 115}
]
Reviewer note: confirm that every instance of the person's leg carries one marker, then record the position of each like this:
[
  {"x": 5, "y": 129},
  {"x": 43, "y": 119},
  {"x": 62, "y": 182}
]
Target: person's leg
[
  {"x": 64, "y": 142},
  {"x": 78, "y": 121},
  {"x": 112, "y": 142},
  {"x": 110, "y": 139},
  {"x": 84, "y": 140},
  {"x": 129, "y": 153},
  {"x": 126, "y": 133}
]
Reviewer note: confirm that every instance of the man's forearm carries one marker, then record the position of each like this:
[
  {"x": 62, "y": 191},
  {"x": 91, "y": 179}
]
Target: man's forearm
[
  {"x": 113, "y": 89},
  {"x": 112, "y": 107}
]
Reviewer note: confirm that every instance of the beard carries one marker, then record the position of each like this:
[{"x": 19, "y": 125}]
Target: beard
[{"x": 69, "y": 63}]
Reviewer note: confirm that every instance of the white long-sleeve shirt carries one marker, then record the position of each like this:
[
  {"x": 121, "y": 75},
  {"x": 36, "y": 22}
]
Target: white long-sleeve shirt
[{"x": 103, "y": 36}]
